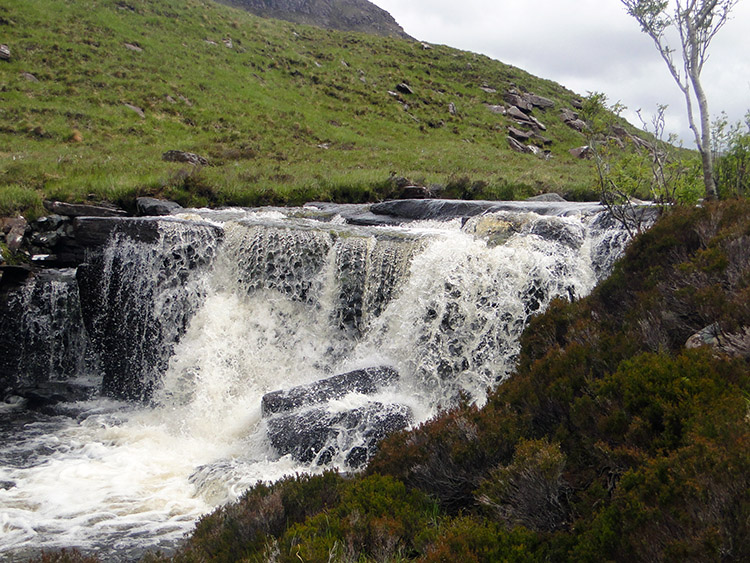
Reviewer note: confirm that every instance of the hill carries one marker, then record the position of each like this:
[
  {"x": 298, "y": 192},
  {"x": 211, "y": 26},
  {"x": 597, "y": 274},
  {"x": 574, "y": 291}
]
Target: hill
[
  {"x": 344, "y": 15},
  {"x": 94, "y": 94}
]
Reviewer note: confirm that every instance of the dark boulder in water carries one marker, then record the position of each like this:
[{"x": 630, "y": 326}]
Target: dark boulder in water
[
  {"x": 365, "y": 381},
  {"x": 318, "y": 435}
]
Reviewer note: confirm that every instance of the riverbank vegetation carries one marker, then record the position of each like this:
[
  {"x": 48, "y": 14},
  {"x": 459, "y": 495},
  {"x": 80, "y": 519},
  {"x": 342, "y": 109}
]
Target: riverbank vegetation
[{"x": 94, "y": 94}]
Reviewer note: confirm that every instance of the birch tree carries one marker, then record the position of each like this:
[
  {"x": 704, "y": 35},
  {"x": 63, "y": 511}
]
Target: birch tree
[{"x": 697, "y": 22}]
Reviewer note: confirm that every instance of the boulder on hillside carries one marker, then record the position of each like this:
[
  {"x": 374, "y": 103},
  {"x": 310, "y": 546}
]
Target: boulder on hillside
[
  {"x": 404, "y": 88},
  {"x": 4, "y": 53},
  {"x": 183, "y": 156}
]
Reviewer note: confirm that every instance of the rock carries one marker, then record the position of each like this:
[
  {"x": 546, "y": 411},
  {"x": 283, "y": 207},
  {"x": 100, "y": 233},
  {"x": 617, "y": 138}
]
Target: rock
[
  {"x": 518, "y": 101},
  {"x": 452, "y": 108},
  {"x": 14, "y": 230},
  {"x": 228, "y": 43},
  {"x": 582, "y": 152},
  {"x": 519, "y": 147},
  {"x": 42, "y": 339},
  {"x": 30, "y": 77},
  {"x": 709, "y": 336},
  {"x": 136, "y": 109},
  {"x": 578, "y": 104},
  {"x": 500, "y": 110},
  {"x": 318, "y": 435},
  {"x": 365, "y": 381},
  {"x": 4, "y": 53},
  {"x": 133, "y": 47},
  {"x": 552, "y": 196},
  {"x": 516, "y": 113},
  {"x": 47, "y": 394},
  {"x": 129, "y": 305},
  {"x": 577, "y": 124},
  {"x": 539, "y": 101},
  {"x": 83, "y": 210},
  {"x": 568, "y": 115},
  {"x": 415, "y": 192},
  {"x": 488, "y": 89},
  {"x": 149, "y": 206},
  {"x": 182, "y": 156},
  {"x": 426, "y": 46},
  {"x": 519, "y": 135},
  {"x": 404, "y": 88}
]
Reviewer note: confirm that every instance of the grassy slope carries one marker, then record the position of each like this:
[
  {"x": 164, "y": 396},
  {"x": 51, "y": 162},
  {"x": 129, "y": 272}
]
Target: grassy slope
[{"x": 260, "y": 111}]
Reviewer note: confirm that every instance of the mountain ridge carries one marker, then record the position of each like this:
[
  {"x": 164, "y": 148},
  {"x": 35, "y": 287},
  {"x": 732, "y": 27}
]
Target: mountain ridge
[{"x": 344, "y": 15}]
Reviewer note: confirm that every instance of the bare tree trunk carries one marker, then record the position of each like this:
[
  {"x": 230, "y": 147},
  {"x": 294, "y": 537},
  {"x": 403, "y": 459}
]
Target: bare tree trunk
[{"x": 705, "y": 140}]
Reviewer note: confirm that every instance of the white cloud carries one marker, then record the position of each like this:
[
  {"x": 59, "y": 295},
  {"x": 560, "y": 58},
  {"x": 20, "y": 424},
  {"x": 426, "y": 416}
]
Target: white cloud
[{"x": 586, "y": 45}]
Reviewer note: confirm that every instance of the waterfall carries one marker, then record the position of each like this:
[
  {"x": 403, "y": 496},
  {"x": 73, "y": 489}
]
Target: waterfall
[{"x": 244, "y": 345}]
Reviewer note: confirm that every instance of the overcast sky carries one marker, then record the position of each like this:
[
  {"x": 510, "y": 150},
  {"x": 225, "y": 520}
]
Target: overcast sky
[{"x": 587, "y": 46}]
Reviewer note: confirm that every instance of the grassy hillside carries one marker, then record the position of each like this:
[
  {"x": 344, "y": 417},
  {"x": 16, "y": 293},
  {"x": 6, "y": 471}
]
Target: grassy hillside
[{"x": 284, "y": 113}]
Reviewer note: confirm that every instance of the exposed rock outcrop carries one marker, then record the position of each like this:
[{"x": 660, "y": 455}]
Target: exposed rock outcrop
[{"x": 344, "y": 15}]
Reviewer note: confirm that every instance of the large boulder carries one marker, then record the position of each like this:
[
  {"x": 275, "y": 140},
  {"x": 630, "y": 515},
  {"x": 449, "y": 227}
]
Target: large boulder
[
  {"x": 321, "y": 436},
  {"x": 150, "y": 207},
  {"x": 365, "y": 381}
]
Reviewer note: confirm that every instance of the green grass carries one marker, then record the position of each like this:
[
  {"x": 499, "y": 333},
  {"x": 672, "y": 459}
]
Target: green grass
[{"x": 287, "y": 114}]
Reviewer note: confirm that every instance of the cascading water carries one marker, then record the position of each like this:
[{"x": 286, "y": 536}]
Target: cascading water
[{"x": 212, "y": 318}]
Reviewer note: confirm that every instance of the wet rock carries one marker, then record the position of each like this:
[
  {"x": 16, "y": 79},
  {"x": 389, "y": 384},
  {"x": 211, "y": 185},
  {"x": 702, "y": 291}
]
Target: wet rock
[
  {"x": 83, "y": 210},
  {"x": 149, "y": 206},
  {"x": 136, "y": 298},
  {"x": 319, "y": 435},
  {"x": 182, "y": 156},
  {"x": 47, "y": 394},
  {"x": 552, "y": 196},
  {"x": 365, "y": 381},
  {"x": 42, "y": 339}
]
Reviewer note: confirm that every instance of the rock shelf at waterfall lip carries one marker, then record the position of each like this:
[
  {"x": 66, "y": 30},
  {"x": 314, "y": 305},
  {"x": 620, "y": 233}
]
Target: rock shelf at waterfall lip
[{"x": 446, "y": 209}]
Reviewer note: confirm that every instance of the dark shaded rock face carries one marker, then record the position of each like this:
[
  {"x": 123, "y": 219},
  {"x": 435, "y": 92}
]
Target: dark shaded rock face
[
  {"x": 42, "y": 337},
  {"x": 138, "y": 294},
  {"x": 300, "y": 424},
  {"x": 318, "y": 435},
  {"x": 366, "y": 381},
  {"x": 344, "y": 15}
]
